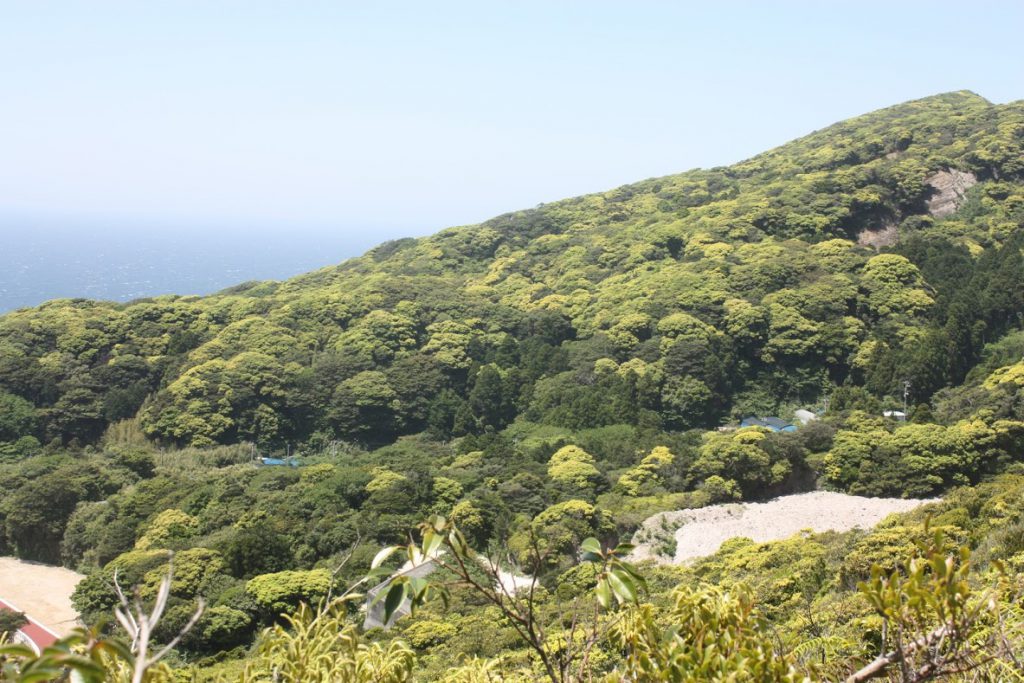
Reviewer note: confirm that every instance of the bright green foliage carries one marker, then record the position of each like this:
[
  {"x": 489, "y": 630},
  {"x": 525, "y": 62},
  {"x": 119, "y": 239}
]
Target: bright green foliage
[
  {"x": 715, "y": 635},
  {"x": 446, "y": 493},
  {"x": 937, "y": 622},
  {"x": 505, "y": 374},
  {"x": 1011, "y": 373},
  {"x": 323, "y": 648},
  {"x": 644, "y": 477},
  {"x": 630, "y": 331},
  {"x": 378, "y": 336},
  {"x": 480, "y": 671},
  {"x": 720, "y": 490},
  {"x": 468, "y": 516},
  {"x": 449, "y": 344},
  {"x": 893, "y": 287},
  {"x": 426, "y": 633},
  {"x": 281, "y": 591},
  {"x": 573, "y": 469},
  {"x": 790, "y": 335},
  {"x": 384, "y": 480},
  {"x": 194, "y": 569},
  {"x": 727, "y": 283},
  {"x": 94, "y": 596},
  {"x": 559, "y": 530},
  {"x": 740, "y": 457},
  {"x": 240, "y": 398},
  {"x": 917, "y": 459},
  {"x": 167, "y": 530}
]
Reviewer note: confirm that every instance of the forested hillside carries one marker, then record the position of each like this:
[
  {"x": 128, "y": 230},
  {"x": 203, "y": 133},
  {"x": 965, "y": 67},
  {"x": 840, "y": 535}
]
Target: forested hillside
[
  {"x": 555, "y": 374},
  {"x": 673, "y": 302}
]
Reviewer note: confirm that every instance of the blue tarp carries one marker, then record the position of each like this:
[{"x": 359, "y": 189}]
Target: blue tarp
[
  {"x": 279, "y": 461},
  {"x": 774, "y": 424}
]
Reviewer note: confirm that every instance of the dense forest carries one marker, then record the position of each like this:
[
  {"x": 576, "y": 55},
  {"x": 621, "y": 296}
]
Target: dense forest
[{"x": 560, "y": 374}]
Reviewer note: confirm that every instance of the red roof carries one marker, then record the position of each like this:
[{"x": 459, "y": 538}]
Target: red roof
[{"x": 40, "y": 636}]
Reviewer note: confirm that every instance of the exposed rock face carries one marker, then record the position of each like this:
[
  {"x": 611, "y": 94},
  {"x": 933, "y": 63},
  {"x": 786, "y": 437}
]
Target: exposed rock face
[
  {"x": 886, "y": 235},
  {"x": 948, "y": 190},
  {"x": 950, "y": 187}
]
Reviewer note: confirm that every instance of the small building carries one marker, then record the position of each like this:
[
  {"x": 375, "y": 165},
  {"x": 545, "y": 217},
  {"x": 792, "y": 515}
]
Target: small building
[
  {"x": 772, "y": 424},
  {"x": 895, "y": 414}
]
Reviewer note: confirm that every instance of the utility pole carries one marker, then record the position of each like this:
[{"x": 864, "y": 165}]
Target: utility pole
[{"x": 906, "y": 393}]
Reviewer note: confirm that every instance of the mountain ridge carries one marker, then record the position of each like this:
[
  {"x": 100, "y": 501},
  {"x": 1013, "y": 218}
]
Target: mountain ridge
[
  {"x": 966, "y": 98},
  {"x": 965, "y": 94},
  {"x": 961, "y": 96},
  {"x": 753, "y": 267}
]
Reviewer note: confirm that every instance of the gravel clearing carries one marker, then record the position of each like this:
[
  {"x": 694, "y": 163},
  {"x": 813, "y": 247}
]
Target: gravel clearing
[
  {"x": 701, "y": 532},
  {"x": 42, "y": 591}
]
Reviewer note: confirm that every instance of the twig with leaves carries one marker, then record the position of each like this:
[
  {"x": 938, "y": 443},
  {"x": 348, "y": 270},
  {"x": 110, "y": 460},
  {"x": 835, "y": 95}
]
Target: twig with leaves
[
  {"x": 618, "y": 583},
  {"x": 938, "y": 624}
]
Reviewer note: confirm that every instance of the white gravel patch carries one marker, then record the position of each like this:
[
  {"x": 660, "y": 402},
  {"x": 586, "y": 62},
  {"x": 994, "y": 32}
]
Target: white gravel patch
[{"x": 701, "y": 532}]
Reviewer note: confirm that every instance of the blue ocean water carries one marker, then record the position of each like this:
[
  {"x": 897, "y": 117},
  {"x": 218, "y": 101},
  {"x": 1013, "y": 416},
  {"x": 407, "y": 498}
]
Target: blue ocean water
[{"x": 39, "y": 263}]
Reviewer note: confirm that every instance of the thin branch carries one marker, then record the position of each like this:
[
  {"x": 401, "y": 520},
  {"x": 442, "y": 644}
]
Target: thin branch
[
  {"x": 878, "y": 667},
  {"x": 140, "y": 625},
  {"x": 337, "y": 570},
  {"x": 200, "y": 607}
]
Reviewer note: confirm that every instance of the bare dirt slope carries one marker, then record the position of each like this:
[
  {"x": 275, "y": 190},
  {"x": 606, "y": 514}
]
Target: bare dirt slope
[
  {"x": 41, "y": 591},
  {"x": 701, "y": 532}
]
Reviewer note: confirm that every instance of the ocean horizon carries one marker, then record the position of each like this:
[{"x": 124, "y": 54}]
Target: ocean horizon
[{"x": 39, "y": 265}]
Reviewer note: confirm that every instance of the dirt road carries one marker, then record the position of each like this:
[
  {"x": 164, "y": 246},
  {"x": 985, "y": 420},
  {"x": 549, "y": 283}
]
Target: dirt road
[{"x": 41, "y": 591}]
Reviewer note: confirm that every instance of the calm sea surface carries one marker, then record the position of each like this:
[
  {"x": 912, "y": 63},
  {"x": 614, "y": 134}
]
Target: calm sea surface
[{"x": 41, "y": 264}]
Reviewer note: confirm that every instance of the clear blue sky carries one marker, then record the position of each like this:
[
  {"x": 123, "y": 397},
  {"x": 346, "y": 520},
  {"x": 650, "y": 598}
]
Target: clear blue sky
[{"x": 380, "y": 119}]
